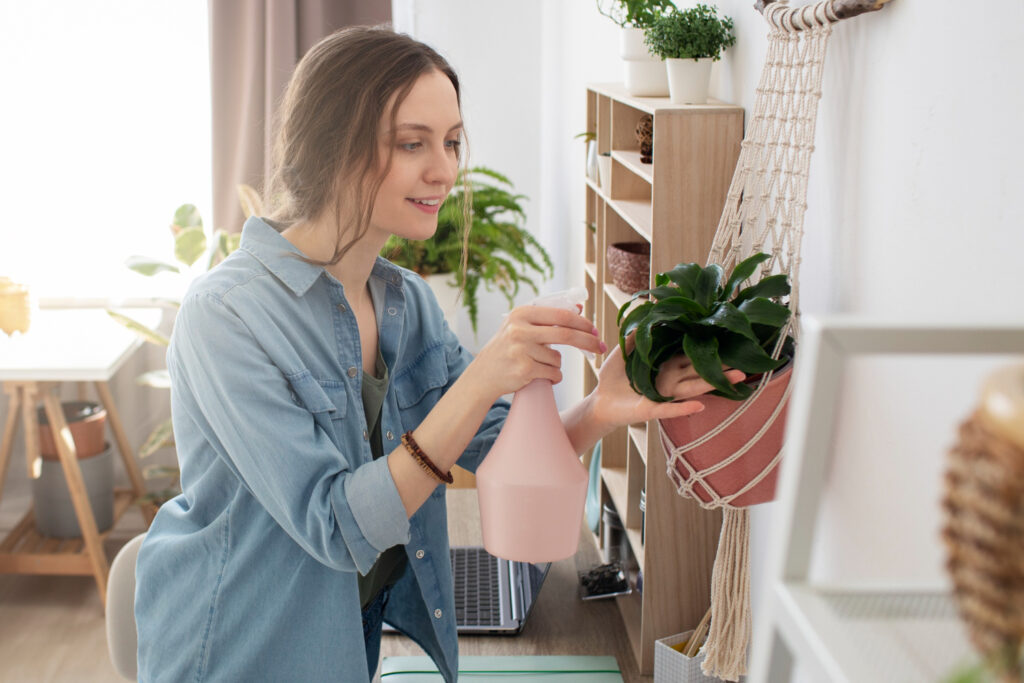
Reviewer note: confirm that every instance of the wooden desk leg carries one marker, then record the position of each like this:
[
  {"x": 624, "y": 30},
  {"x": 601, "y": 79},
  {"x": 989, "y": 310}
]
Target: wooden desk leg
[
  {"x": 10, "y": 428},
  {"x": 130, "y": 466},
  {"x": 30, "y": 423},
  {"x": 76, "y": 485}
]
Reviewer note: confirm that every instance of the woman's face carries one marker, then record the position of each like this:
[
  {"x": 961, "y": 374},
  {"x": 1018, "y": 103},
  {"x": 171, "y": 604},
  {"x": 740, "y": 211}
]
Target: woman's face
[{"x": 424, "y": 159}]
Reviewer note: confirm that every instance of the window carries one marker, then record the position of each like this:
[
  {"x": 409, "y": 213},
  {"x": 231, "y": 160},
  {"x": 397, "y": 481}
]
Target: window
[{"x": 104, "y": 131}]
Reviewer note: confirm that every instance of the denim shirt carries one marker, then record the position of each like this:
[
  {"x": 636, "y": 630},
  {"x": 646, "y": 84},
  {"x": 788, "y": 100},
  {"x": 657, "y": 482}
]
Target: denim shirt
[{"x": 250, "y": 573}]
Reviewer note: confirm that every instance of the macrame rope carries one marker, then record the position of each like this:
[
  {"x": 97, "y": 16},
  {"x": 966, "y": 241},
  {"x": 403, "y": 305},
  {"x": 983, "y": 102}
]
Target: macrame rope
[{"x": 725, "y": 654}]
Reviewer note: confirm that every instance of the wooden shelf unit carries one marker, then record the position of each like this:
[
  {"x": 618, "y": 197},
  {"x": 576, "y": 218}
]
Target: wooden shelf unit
[{"x": 674, "y": 204}]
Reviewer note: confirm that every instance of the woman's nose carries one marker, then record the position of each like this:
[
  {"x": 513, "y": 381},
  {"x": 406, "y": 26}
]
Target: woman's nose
[{"x": 442, "y": 168}]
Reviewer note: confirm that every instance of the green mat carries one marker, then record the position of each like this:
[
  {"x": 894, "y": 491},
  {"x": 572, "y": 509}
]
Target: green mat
[{"x": 567, "y": 669}]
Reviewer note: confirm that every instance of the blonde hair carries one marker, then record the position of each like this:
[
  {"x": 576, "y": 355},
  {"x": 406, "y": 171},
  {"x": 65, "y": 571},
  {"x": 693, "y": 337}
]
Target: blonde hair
[{"x": 329, "y": 127}]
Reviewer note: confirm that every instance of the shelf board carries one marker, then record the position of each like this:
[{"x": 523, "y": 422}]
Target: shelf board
[
  {"x": 596, "y": 187},
  {"x": 636, "y": 212},
  {"x": 591, "y": 270},
  {"x": 631, "y": 160},
  {"x": 650, "y": 105},
  {"x": 617, "y": 296},
  {"x": 617, "y": 483},
  {"x": 910, "y": 636},
  {"x": 638, "y": 434}
]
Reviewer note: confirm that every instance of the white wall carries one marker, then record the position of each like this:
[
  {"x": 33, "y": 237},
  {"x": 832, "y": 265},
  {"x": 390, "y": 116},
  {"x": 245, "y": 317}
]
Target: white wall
[{"x": 913, "y": 213}]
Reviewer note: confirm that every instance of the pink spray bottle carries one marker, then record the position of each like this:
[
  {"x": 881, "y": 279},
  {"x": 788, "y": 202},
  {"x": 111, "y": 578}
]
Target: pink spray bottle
[{"x": 532, "y": 485}]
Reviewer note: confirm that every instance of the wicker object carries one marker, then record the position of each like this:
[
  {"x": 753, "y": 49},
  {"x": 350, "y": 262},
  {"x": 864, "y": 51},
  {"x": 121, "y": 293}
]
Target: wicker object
[
  {"x": 984, "y": 524},
  {"x": 629, "y": 264},
  {"x": 645, "y": 138},
  {"x": 14, "y": 307}
]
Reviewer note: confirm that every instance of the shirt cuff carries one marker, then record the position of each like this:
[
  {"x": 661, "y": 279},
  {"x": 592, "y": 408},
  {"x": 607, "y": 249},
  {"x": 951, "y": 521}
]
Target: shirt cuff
[{"x": 376, "y": 506}]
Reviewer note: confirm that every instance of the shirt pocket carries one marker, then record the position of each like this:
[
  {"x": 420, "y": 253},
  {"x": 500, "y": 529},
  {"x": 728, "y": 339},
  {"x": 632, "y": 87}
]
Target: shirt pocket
[
  {"x": 420, "y": 385},
  {"x": 326, "y": 400}
]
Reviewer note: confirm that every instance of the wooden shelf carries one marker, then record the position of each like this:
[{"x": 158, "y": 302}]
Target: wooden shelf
[{"x": 674, "y": 204}]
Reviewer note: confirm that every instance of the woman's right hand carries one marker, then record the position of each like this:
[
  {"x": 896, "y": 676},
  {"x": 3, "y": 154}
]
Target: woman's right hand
[{"x": 520, "y": 351}]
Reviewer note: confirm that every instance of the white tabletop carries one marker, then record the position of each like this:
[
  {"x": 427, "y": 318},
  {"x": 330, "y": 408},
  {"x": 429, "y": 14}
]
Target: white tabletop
[{"x": 75, "y": 344}]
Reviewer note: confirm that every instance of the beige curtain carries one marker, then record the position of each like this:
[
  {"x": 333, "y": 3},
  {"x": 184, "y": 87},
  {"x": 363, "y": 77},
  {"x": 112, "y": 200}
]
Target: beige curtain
[{"x": 254, "y": 45}]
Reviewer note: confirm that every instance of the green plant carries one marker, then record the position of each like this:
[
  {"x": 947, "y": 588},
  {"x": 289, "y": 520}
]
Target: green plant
[
  {"x": 712, "y": 323},
  {"x": 500, "y": 253},
  {"x": 191, "y": 244},
  {"x": 695, "y": 33},
  {"x": 634, "y": 13}
]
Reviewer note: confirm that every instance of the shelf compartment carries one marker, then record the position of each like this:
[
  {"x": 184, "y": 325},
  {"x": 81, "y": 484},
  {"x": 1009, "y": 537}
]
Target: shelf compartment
[
  {"x": 631, "y": 160},
  {"x": 591, "y": 270},
  {"x": 638, "y": 435},
  {"x": 635, "y": 212},
  {"x": 874, "y": 636}
]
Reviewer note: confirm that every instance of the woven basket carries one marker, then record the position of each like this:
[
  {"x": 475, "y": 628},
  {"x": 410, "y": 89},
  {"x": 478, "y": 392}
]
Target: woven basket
[{"x": 629, "y": 264}]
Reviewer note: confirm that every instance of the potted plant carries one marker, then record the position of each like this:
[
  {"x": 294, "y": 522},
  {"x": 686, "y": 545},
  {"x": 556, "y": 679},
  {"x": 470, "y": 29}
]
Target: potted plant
[
  {"x": 499, "y": 252},
  {"x": 191, "y": 244},
  {"x": 689, "y": 41},
  {"x": 590, "y": 138},
  {"x": 645, "y": 74},
  {"x": 716, "y": 322}
]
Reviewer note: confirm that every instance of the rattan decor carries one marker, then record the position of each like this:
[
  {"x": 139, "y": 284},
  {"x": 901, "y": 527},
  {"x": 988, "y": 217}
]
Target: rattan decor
[
  {"x": 984, "y": 524},
  {"x": 629, "y": 264}
]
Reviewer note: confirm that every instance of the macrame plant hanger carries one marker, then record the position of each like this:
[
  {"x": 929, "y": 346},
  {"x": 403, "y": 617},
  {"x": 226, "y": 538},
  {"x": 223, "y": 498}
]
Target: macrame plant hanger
[{"x": 764, "y": 212}]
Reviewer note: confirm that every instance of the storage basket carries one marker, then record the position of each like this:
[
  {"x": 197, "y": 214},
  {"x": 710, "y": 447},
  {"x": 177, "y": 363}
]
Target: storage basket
[
  {"x": 629, "y": 264},
  {"x": 672, "y": 666}
]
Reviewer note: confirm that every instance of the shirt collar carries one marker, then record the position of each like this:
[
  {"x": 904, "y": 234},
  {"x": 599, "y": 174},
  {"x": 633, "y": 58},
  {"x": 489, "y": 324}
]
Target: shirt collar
[{"x": 286, "y": 263}]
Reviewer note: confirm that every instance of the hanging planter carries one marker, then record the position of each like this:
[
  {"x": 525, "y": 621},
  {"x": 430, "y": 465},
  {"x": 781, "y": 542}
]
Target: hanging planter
[{"x": 728, "y": 449}]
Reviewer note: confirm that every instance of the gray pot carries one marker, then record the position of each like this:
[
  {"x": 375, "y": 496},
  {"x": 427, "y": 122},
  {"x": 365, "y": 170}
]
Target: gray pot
[{"x": 54, "y": 511}]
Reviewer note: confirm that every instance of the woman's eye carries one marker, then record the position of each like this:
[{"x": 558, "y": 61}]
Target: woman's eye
[
  {"x": 410, "y": 146},
  {"x": 453, "y": 144}
]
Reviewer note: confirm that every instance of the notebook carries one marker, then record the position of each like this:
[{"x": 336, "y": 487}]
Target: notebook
[
  {"x": 492, "y": 596},
  {"x": 536, "y": 669}
]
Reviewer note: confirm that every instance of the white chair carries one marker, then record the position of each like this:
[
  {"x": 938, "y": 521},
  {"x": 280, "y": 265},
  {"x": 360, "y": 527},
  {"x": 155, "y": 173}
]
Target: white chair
[{"x": 122, "y": 641}]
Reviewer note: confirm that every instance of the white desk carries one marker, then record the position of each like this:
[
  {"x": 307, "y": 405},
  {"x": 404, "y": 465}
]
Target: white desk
[{"x": 64, "y": 345}]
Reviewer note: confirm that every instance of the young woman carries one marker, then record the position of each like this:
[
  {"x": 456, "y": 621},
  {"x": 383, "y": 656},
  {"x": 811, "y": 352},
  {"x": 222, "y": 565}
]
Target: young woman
[{"x": 300, "y": 363}]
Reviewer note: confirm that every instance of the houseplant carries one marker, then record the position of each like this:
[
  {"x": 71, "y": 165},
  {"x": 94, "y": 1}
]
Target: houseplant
[
  {"x": 499, "y": 252},
  {"x": 716, "y": 321},
  {"x": 645, "y": 73},
  {"x": 689, "y": 41},
  {"x": 191, "y": 244}
]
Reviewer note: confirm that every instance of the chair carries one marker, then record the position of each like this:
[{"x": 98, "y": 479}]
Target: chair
[{"x": 122, "y": 641}]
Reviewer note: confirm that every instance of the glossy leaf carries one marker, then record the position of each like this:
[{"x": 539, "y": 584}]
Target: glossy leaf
[
  {"x": 729, "y": 317},
  {"x": 189, "y": 245},
  {"x": 743, "y": 354},
  {"x": 149, "y": 266},
  {"x": 771, "y": 286},
  {"x": 707, "y": 285},
  {"x": 761, "y": 311},
  {"x": 743, "y": 270},
  {"x": 703, "y": 353},
  {"x": 685, "y": 275}
]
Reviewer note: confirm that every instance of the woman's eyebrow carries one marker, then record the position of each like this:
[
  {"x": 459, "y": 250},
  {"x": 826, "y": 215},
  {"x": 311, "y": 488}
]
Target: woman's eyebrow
[{"x": 424, "y": 127}]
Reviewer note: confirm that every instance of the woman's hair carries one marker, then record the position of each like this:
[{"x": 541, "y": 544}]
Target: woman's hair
[{"x": 326, "y": 155}]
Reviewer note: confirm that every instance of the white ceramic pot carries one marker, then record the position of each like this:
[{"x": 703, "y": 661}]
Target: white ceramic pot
[
  {"x": 645, "y": 73},
  {"x": 592, "y": 166},
  {"x": 688, "y": 80},
  {"x": 604, "y": 166}
]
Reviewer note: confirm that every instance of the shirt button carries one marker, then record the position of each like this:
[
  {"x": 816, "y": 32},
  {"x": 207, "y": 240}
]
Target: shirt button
[
  {"x": 391, "y": 436},
  {"x": 420, "y": 554},
  {"x": 341, "y": 308},
  {"x": 437, "y": 614},
  {"x": 352, "y": 371},
  {"x": 365, "y": 435},
  {"x": 392, "y": 311}
]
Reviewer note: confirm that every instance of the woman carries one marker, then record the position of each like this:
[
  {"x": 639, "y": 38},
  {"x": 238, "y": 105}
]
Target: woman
[{"x": 298, "y": 364}]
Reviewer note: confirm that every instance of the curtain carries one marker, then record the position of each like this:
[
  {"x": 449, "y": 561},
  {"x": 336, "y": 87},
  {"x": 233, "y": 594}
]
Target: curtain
[{"x": 254, "y": 45}]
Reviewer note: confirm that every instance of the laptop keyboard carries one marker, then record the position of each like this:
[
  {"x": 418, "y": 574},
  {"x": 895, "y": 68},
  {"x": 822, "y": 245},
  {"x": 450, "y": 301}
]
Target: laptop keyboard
[{"x": 476, "y": 587}]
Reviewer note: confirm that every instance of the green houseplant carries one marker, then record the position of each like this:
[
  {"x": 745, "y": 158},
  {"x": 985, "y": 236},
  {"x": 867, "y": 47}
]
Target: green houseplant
[
  {"x": 499, "y": 252},
  {"x": 716, "y": 321},
  {"x": 634, "y": 13},
  {"x": 645, "y": 72},
  {"x": 689, "y": 41},
  {"x": 192, "y": 246}
]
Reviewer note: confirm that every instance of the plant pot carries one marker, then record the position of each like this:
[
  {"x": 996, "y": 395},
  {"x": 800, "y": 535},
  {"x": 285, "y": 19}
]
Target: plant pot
[
  {"x": 672, "y": 666},
  {"x": 645, "y": 73},
  {"x": 732, "y": 478},
  {"x": 592, "y": 166},
  {"x": 53, "y": 510},
  {"x": 604, "y": 169},
  {"x": 688, "y": 80},
  {"x": 86, "y": 421},
  {"x": 629, "y": 264}
]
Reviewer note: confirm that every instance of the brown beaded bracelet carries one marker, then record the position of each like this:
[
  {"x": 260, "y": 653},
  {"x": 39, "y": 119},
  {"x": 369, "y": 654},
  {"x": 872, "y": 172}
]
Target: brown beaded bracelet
[{"x": 428, "y": 466}]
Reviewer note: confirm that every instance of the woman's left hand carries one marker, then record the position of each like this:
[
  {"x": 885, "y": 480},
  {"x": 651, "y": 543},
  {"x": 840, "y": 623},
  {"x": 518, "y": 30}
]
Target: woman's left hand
[{"x": 616, "y": 404}]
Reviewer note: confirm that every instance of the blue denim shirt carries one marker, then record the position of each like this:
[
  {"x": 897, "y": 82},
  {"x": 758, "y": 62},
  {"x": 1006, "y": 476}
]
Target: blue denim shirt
[{"x": 250, "y": 573}]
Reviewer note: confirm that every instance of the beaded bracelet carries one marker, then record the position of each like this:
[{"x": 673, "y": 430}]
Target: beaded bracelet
[{"x": 428, "y": 466}]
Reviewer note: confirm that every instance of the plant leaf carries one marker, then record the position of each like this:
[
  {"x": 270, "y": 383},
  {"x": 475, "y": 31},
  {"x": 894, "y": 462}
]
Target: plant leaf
[
  {"x": 187, "y": 216},
  {"x": 729, "y": 317},
  {"x": 685, "y": 275},
  {"x": 761, "y": 311},
  {"x": 706, "y": 289},
  {"x": 145, "y": 265},
  {"x": 743, "y": 354},
  {"x": 703, "y": 353},
  {"x": 189, "y": 245},
  {"x": 146, "y": 333},
  {"x": 159, "y": 379},
  {"x": 162, "y": 436},
  {"x": 769, "y": 287},
  {"x": 250, "y": 201},
  {"x": 742, "y": 271}
]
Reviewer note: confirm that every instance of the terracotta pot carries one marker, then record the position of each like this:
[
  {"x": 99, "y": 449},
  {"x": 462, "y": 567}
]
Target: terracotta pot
[
  {"x": 629, "y": 264},
  {"x": 729, "y": 480},
  {"x": 87, "y": 422}
]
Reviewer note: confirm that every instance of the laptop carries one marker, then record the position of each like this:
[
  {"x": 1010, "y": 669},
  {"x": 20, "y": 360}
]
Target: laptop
[{"x": 492, "y": 596}]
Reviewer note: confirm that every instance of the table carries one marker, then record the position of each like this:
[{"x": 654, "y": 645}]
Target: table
[
  {"x": 560, "y": 624},
  {"x": 65, "y": 345}
]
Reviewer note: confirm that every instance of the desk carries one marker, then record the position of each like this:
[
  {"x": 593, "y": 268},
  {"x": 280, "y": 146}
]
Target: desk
[
  {"x": 64, "y": 345},
  {"x": 560, "y": 624}
]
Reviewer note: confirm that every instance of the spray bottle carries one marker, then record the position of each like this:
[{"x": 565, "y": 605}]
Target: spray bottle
[{"x": 532, "y": 485}]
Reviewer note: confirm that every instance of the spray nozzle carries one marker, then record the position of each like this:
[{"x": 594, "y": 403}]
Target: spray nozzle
[{"x": 567, "y": 300}]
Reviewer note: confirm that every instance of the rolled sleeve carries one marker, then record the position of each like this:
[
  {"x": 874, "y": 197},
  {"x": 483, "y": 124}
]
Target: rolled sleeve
[{"x": 371, "y": 499}]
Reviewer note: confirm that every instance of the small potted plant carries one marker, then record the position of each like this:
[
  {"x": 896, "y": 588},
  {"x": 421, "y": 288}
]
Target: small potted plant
[
  {"x": 689, "y": 41},
  {"x": 716, "y": 322},
  {"x": 500, "y": 253},
  {"x": 645, "y": 74}
]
